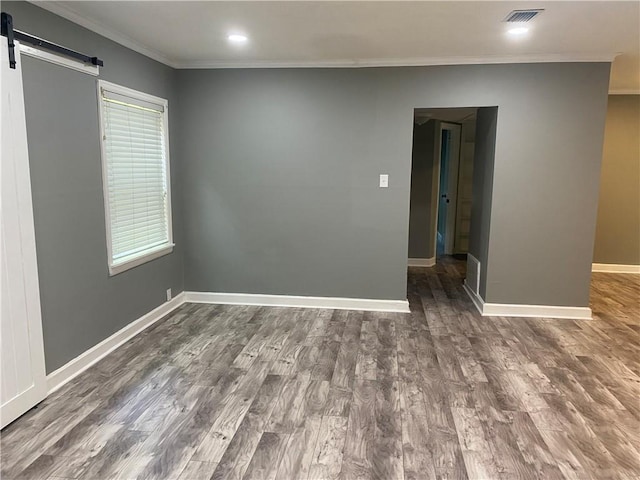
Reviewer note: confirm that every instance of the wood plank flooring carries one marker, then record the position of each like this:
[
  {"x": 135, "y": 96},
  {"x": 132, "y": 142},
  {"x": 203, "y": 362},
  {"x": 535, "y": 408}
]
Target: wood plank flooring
[{"x": 244, "y": 392}]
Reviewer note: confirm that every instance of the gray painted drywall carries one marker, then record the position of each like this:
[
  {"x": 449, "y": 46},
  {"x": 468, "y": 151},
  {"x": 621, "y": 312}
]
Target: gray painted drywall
[
  {"x": 618, "y": 225},
  {"x": 421, "y": 214},
  {"x": 81, "y": 304},
  {"x": 483, "y": 165},
  {"x": 282, "y": 196},
  {"x": 281, "y": 177},
  {"x": 545, "y": 186}
]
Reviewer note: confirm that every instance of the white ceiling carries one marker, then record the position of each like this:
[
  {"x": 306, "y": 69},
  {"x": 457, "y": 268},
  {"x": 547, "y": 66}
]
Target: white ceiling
[{"x": 187, "y": 34}]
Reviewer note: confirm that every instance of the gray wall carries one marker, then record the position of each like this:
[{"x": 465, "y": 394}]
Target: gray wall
[
  {"x": 275, "y": 181},
  {"x": 281, "y": 174},
  {"x": 421, "y": 214},
  {"x": 545, "y": 185},
  {"x": 483, "y": 165},
  {"x": 618, "y": 225},
  {"x": 81, "y": 304},
  {"x": 281, "y": 182}
]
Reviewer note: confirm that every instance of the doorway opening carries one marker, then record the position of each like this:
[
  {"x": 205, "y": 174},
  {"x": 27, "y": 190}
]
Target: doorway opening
[
  {"x": 446, "y": 170},
  {"x": 441, "y": 183}
]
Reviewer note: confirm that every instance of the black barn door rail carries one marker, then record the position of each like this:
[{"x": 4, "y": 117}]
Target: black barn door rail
[{"x": 12, "y": 35}]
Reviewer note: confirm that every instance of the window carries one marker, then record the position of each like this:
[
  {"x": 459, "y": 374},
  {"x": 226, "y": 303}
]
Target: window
[{"x": 135, "y": 175}]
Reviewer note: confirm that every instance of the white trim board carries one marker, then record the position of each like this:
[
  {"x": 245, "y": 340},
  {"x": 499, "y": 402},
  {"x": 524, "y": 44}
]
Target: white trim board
[
  {"x": 75, "y": 367},
  {"x": 615, "y": 268},
  {"x": 422, "y": 262},
  {"x": 625, "y": 91},
  {"x": 59, "y": 60},
  {"x": 515, "y": 310},
  {"x": 405, "y": 62},
  {"x": 334, "y": 303}
]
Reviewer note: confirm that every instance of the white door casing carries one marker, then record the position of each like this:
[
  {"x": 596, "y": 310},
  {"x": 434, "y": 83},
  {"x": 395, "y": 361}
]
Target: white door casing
[{"x": 22, "y": 365}]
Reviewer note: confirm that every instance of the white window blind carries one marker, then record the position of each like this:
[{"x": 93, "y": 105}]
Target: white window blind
[{"x": 136, "y": 176}]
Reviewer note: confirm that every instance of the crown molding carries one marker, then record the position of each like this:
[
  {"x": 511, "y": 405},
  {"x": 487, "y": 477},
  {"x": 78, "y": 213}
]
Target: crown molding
[
  {"x": 407, "y": 62},
  {"x": 68, "y": 13}
]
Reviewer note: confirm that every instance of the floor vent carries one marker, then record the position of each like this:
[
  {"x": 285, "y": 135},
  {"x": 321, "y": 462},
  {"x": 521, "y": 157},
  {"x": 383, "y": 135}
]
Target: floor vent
[
  {"x": 522, "y": 16},
  {"x": 473, "y": 274}
]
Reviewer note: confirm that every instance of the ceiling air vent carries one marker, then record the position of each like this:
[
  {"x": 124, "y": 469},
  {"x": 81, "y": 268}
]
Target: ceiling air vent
[{"x": 521, "y": 16}]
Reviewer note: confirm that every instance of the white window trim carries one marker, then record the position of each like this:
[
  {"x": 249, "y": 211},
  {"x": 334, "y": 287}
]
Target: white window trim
[{"x": 137, "y": 259}]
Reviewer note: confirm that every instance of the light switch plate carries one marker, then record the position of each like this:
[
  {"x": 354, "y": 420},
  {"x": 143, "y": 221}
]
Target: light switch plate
[{"x": 384, "y": 180}]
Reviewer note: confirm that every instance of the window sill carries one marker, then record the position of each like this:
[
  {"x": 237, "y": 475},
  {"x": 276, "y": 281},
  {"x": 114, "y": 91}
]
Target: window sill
[{"x": 145, "y": 257}]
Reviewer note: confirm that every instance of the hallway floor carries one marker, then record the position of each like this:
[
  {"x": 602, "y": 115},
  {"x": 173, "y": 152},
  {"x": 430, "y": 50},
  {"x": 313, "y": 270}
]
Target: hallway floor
[{"x": 282, "y": 393}]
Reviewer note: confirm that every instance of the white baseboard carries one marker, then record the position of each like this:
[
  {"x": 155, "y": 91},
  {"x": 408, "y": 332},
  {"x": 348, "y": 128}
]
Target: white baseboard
[
  {"x": 542, "y": 311},
  {"x": 336, "y": 303},
  {"x": 615, "y": 268},
  {"x": 422, "y": 262},
  {"x": 515, "y": 310},
  {"x": 75, "y": 367}
]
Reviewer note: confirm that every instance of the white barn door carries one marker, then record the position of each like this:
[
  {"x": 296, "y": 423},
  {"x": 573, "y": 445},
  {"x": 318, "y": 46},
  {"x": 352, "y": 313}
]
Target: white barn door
[{"x": 22, "y": 369}]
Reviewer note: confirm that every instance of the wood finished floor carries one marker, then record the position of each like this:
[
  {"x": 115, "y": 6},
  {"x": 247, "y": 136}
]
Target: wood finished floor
[{"x": 238, "y": 392}]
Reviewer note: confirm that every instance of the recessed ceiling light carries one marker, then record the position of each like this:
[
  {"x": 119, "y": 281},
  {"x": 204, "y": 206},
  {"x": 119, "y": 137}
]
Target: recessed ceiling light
[
  {"x": 237, "y": 38},
  {"x": 518, "y": 31}
]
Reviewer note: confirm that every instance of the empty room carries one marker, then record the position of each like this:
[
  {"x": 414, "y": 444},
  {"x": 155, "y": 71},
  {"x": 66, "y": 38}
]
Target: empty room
[{"x": 320, "y": 240}]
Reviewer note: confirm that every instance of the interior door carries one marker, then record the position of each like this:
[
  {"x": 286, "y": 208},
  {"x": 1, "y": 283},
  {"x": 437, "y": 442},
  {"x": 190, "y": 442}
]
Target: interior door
[
  {"x": 444, "y": 199},
  {"x": 22, "y": 368},
  {"x": 448, "y": 188}
]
